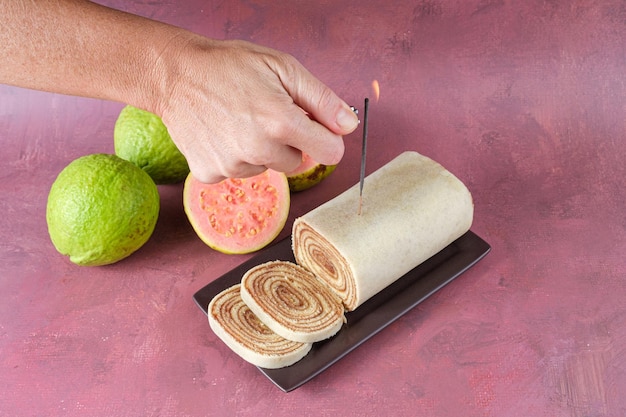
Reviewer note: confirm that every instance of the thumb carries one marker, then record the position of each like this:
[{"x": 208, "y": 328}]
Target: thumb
[{"x": 322, "y": 104}]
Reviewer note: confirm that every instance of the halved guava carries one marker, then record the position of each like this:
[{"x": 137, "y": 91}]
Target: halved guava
[
  {"x": 308, "y": 174},
  {"x": 238, "y": 215}
]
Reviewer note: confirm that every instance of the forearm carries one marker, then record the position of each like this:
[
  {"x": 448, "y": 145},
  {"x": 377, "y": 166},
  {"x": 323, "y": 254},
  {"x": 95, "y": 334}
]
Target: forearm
[
  {"x": 80, "y": 48},
  {"x": 233, "y": 108}
]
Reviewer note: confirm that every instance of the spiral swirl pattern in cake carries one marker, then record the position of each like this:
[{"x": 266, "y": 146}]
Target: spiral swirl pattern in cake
[
  {"x": 292, "y": 301},
  {"x": 241, "y": 330},
  {"x": 324, "y": 260}
]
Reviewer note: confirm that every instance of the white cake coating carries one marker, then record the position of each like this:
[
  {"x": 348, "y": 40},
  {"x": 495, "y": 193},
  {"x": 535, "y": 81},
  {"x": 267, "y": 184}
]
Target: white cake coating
[{"x": 412, "y": 208}]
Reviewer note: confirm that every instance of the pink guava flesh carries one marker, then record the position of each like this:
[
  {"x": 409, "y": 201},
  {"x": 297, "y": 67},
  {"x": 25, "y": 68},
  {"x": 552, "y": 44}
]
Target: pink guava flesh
[{"x": 238, "y": 215}]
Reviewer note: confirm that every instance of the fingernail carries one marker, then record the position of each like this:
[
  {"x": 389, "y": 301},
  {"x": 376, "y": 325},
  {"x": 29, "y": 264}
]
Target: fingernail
[{"x": 347, "y": 120}]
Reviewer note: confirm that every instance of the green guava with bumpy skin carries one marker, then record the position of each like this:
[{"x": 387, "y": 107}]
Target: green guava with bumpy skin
[
  {"x": 141, "y": 138},
  {"x": 101, "y": 209},
  {"x": 308, "y": 174},
  {"x": 238, "y": 215}
]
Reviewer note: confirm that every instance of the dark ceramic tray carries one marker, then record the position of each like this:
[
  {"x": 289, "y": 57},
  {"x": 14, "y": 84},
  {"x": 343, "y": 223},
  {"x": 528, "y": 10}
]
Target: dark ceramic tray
[{"x": 369, "y": 318}]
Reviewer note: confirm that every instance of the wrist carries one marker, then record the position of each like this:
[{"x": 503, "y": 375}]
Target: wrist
[{"x": 156, "y": 69}]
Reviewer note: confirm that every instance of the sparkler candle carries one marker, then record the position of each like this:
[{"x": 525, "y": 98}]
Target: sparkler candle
[
  {"x": 363, "y": 155},
  {"x": 376, "y": 90}
]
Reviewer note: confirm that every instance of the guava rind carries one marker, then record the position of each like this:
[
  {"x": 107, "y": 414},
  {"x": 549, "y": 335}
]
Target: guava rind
[
  {"x": 142, "y": 138},
  {"x": 224, "y": 217},
  {"x": 308, "y": 174},
  {"x": 101, "y": 209}
]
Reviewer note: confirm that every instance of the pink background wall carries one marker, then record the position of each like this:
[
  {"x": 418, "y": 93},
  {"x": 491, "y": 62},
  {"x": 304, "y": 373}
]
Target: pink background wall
[{"x": 524, "y": 101}]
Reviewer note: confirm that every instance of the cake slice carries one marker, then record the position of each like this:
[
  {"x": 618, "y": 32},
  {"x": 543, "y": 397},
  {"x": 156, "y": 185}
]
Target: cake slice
[
  {"x": 292, "y": 301},
  {"x": 241, "y": 330}
]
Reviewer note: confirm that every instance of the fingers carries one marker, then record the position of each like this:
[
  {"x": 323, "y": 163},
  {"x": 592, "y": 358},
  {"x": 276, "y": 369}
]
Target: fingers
[
  {"x": 211, "y": 167},
  {"x": 280, "y": 150},
  {"x": 316, "y": 98},
  {"x": 202, "y": 173},
  {"x": 210, "y": 175},
  {"x": 313, "y": 138},
  {"x": 286, "y": 159}
]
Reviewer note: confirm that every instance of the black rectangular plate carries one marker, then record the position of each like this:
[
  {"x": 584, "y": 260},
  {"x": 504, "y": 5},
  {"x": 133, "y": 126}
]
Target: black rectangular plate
[{"x": 369, "y": 318}]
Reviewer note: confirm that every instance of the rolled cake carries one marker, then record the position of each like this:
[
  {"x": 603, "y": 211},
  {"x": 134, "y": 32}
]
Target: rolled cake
[
  {"x": 412, "y": 208},
  {"x": 292, "y": 302},
  {"x": 237, "y": 326}
]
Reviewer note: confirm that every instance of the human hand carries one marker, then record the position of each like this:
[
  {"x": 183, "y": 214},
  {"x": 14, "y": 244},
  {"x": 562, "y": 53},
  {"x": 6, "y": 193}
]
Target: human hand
[{"x": 235, "y": 108}]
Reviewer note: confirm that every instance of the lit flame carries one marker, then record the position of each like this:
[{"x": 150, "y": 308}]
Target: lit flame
[{"x": 376, "y": 89}]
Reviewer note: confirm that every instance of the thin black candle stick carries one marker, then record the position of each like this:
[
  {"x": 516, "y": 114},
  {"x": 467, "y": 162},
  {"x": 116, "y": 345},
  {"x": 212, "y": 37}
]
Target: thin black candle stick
[{"x": 363, "y": 154}]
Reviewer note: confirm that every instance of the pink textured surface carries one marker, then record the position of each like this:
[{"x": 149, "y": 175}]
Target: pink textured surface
[{"x": 524, "y": 101}]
